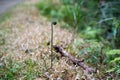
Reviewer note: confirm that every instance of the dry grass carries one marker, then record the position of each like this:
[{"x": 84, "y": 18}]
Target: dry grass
[{"x": 27, "y": 39}]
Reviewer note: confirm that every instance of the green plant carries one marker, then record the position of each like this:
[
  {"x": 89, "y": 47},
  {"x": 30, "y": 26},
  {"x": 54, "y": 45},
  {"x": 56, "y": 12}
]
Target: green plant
[
  {"x": 10, "y": 70},
  {"x": 110, "y": 22},
  {"x": 13, "y": 70},
  {"x": 113, "y": 57},
  {"x": 30, "y": 71},
  {"x": 91, "y": 50}
]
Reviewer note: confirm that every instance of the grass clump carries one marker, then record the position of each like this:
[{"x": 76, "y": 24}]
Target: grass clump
[
  {"x": 14, "y": 70},
  {"x": 10, "y": 70}
]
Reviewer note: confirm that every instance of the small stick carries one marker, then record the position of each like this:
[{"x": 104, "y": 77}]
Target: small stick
[
  {"x": 64, "y": 53},
  {"x": 53, "y": 23}
]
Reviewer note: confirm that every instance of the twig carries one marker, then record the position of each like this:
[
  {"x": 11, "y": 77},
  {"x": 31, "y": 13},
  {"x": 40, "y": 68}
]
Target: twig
[{"x": 73, "y": 59}]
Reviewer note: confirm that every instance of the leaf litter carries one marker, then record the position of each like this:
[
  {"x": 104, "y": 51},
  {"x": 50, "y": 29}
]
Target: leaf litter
[{"x": 28, "y": 38}]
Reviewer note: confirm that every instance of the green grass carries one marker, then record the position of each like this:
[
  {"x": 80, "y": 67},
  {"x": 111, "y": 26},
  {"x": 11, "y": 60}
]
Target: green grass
[
  {"x": 14, "y": 70},
  {"x": 5, "y": 16}
]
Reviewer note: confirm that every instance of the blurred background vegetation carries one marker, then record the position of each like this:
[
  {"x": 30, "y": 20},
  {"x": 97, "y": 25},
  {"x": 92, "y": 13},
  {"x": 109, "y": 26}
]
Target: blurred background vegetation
[{"x": 94, "y": 20}]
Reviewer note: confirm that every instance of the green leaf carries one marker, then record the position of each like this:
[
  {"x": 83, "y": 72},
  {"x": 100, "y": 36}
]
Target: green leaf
[
  {"x": 115, "y": 60},
  {"x": 111, "y": 70},
  {"x": 113, "y": 52},
  {"x": 118, "y": 71}
]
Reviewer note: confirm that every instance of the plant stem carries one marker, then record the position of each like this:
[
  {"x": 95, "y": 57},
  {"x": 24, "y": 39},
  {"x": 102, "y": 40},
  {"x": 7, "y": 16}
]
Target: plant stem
[
  {"x": 51, "y": 42},
  {"x": 53, "y": 23}
]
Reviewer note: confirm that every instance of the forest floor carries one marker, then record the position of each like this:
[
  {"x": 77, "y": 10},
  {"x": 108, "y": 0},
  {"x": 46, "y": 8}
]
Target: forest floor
[{"x": 24, "y": 37}]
